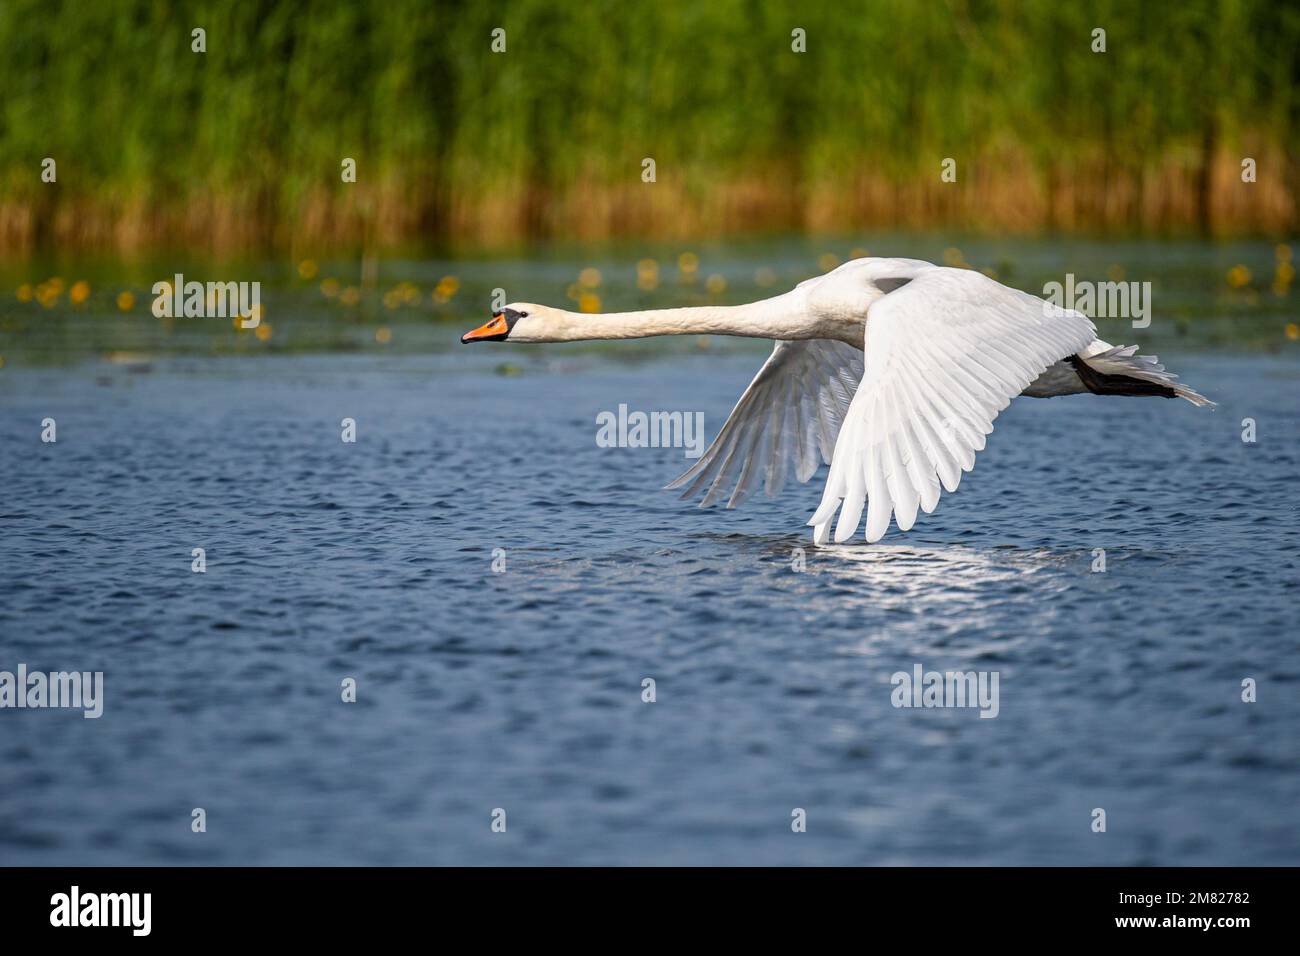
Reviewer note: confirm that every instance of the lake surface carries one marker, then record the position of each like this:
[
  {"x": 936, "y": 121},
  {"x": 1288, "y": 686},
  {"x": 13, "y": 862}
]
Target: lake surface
[{"x": 521, "y": 689}]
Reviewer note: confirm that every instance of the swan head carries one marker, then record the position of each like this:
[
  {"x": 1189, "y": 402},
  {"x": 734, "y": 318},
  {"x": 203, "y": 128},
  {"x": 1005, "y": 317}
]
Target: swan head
[{"x": 516, "y": 322}]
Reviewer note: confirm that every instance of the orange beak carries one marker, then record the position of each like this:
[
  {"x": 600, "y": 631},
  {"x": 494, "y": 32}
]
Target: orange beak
[{"x": 493, "y": 331}]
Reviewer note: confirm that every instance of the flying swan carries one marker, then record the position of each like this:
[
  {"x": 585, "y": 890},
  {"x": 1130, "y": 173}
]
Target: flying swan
[{"x": 889, "y": 370}]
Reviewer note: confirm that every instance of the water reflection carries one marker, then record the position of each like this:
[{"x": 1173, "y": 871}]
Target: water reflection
[{"x": 945, "y": 590}]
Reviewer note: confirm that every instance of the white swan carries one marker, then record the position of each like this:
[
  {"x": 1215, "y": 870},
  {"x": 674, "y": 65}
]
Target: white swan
[{"x": 945, "y": 351}]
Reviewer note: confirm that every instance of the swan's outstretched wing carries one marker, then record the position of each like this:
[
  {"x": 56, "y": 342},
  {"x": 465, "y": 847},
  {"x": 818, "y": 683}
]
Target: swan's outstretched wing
[
  {"x": 944, "y": 354},
  {"x": 788, "y": 417}
]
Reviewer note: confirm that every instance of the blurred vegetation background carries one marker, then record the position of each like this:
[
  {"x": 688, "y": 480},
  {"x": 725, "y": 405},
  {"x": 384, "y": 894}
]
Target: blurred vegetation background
[{"x": 240, "y": 148}]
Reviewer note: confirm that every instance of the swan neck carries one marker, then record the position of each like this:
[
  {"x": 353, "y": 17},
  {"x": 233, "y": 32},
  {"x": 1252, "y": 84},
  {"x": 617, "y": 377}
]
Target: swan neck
[{"x": 770, "y": 318}]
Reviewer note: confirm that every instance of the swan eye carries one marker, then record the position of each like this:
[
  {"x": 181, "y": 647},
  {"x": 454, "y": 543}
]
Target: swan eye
[{"x": 523, "y": 315}]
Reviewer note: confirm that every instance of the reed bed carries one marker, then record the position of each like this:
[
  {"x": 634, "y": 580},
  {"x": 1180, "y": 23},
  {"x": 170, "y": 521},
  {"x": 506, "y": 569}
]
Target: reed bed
[{"x": 240, "y": 147}]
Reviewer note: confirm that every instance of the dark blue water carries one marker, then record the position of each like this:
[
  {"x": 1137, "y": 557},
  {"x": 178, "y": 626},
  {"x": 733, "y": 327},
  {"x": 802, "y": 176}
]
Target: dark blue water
[{"x": 522, "y": 690}]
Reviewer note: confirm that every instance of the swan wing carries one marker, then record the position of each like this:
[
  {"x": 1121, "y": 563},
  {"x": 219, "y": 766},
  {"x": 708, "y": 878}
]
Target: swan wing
[
  {"x": 788, "y": 418},
  {"x": 945, "y": 353}
]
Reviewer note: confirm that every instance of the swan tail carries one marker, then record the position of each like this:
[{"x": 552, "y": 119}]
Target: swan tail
[{"x": 1121, "y": 371}]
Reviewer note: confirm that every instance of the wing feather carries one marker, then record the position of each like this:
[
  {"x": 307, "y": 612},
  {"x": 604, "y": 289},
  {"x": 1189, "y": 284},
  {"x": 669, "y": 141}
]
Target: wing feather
[
  {"x": 787, "y": 421},
  {"x": 945, "y": 354}
]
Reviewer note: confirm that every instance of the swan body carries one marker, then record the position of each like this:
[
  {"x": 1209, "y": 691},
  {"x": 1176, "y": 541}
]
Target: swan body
[{"x": 891, "y": 371}]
